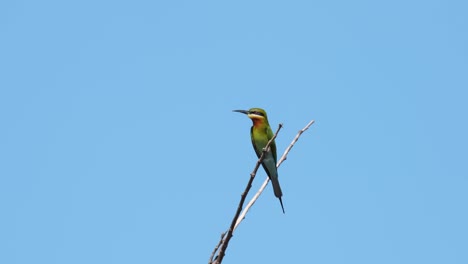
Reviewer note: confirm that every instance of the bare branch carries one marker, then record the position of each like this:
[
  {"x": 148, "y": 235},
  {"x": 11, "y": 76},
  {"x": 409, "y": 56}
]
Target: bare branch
[
  {"x": 239, "y": 216},
  {"x": 216, "y": 248},
  {"x": 265, "y": 183},
  {"x": 224, "y": 242}
]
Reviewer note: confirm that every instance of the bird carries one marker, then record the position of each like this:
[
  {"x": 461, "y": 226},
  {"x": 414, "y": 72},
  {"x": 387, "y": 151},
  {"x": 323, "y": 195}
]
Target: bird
[{"x": 261, "y": 133}]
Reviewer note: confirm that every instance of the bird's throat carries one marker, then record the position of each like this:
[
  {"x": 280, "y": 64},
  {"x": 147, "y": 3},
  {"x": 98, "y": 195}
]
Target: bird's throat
[{"x": 258, "y": 122}]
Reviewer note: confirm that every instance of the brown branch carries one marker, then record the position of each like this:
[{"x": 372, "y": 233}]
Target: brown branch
[
  {"x": 225, "y": 241},
  {"x": 265, "y": 183},
  {"x": 225, "y": 237},
  {"x": 216, "y": 248}
]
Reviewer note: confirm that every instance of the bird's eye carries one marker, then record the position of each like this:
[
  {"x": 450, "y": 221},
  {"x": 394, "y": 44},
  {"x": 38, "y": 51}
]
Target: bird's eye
[{"x": 257, "y": 113}]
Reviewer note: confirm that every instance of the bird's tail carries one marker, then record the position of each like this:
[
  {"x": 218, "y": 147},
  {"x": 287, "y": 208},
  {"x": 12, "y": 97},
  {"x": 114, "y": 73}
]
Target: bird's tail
[
  {"x": 281, "y": 202},
  {"x": 277, "y": 190}
]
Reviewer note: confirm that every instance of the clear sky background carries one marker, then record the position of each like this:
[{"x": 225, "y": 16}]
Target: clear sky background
[{"x": 118, "y": 144}]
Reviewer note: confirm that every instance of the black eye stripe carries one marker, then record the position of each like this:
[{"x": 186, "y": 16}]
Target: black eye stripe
[{"x": 257, "y": 113}]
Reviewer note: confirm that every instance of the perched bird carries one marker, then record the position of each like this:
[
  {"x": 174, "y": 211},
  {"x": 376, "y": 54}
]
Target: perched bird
[{"x": 261, "y": 133}]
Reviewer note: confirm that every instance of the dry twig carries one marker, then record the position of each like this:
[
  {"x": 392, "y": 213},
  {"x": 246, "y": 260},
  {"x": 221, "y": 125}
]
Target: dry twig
[
  {"x": 265, "y": 183},
  {"x": 228, "y": 236},
  {"x": 238, "y": 217}
]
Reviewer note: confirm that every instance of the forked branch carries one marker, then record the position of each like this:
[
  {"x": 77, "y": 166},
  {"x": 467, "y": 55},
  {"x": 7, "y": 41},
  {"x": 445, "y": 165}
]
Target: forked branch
[
  {"x": 225, "y": 239},
  {"x": 238, "y": 217},
  {"x": 265, "y": 183}
]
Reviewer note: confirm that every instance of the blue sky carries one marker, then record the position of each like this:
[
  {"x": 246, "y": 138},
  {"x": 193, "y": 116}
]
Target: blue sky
[{"x": 118, "y": 144}]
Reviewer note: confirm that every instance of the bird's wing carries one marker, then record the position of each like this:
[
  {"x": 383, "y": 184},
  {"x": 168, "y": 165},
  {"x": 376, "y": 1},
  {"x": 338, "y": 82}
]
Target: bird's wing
[{"x": 259, "y": 149}]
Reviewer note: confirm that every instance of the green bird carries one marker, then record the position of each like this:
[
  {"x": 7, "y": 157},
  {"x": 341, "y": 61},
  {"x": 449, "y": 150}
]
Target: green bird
[{"x": 261, "y": 133}]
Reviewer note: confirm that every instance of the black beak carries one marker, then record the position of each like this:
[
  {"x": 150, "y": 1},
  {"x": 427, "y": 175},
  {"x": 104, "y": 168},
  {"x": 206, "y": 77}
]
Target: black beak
[{"x": 241, "y": 111}]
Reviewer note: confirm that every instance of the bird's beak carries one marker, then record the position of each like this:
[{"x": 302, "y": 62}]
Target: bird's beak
[{"x": 241, "y": 111}]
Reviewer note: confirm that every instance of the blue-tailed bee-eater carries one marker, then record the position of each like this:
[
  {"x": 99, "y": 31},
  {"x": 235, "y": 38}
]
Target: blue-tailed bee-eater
[{"x": 261, "y": 133}]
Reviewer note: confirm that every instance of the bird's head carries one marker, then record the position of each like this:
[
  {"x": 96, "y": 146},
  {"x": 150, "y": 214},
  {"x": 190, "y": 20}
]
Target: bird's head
[{"x": 256, "y": 114}]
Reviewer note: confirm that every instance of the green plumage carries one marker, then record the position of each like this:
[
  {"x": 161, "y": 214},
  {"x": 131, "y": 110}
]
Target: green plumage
[{"x": 261, "y": 134}]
